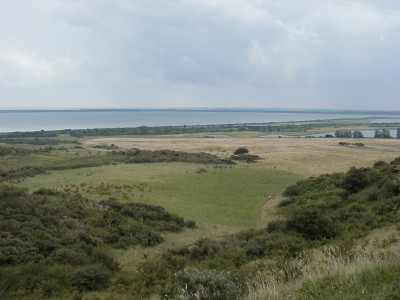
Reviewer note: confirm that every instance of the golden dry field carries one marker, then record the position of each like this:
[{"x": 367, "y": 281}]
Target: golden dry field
[{"x": 305, "y": 156}]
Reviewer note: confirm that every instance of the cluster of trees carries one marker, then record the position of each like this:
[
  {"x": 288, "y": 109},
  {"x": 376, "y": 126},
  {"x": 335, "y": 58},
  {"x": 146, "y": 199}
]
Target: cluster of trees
[
  {"x": 379, "y": 133},
  {"x": 382, "y": 133},
  {"x": 349, "y": 134}
]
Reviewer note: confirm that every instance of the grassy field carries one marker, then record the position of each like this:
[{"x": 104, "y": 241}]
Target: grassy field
[
  {"x": 305, "y": 156},
  {"x": 228, "y": 198},
  {"x": 223, "y": 195}
]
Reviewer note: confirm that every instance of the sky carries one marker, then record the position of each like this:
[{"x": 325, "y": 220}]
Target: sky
[{"x": 324, "y": 54}]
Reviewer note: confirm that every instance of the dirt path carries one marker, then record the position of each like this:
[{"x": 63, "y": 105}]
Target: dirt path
[{"x": 267, "y": 213}]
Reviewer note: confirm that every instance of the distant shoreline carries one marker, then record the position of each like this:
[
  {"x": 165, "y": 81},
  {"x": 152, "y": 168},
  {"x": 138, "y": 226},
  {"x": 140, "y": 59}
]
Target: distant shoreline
[
  {"x": 266, "y": 110},
  {"x": 48, "y": 120}
]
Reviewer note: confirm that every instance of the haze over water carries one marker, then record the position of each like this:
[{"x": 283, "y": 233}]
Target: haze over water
[{"x": 11, "y": 121}]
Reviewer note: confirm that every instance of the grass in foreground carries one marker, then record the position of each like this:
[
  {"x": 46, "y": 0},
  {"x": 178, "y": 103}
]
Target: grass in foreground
[{"x": 366, "y": 270}]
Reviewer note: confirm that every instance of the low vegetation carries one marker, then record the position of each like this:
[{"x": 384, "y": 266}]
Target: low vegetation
[
  {"x": 147, "y": 156},
  {"x": 17, "y": 151},
  {"x": 347, "y": 128},
  {"x": 37, "y": 141},
  {"x": 47, "y": 230},
  {"x": 328, "y": 211},
  {"x": 242, "y": 154},
  {"x": 99, "y": 223},
  {"x": 102, "y": 159},
  {"x": 55, "y": 243}
]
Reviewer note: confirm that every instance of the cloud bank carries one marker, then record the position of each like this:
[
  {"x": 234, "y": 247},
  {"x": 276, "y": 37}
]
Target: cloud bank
[{"x": 192, "y": 53}]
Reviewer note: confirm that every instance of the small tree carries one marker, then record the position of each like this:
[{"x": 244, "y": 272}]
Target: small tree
[
  {"x": 357, "y": 134},
  {"x": 241, "y": 151},
  {"x": 384, "y": 133},
  {"x": 343, "y": 133},
  {"x": 312, "y": 225}
]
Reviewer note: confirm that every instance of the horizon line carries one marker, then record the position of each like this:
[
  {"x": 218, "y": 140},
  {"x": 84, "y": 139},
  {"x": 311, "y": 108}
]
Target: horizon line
[{"x": 204, "y": 109}]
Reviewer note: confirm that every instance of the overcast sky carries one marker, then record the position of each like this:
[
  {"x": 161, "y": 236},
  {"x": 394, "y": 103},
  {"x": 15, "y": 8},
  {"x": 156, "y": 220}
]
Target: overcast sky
[{"x": 342, "y": 54}]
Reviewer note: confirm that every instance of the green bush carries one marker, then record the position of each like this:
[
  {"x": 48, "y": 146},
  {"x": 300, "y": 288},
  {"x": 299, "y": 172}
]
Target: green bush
[
  {"x": 312, "y": 225},
  {"x": 92, "y": 277},
  {"x": 241, "y": 151},
  {"x": 26, "y": 171},
  {"x": 279, "y": 225}
]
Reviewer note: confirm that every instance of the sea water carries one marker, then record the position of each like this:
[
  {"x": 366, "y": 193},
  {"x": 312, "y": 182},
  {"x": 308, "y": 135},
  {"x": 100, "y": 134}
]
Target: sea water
[{"x": 11, "y": 121}]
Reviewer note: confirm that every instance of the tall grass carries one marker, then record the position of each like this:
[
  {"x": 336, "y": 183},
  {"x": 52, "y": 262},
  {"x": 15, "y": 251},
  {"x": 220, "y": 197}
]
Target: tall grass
[{"x": 367, "y": 270}]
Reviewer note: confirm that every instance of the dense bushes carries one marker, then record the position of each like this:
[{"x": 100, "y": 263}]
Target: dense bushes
[
  {"x": 47, "y": 231},
  {"x": 16, "y": 151},
  {"x": 107, "y": 158},
  {"x": 312, "y": 225},
  {"x": 349, "y": 203},
  {"x": 26, "y": 171},
  {"x": 319, "y": 211},
  {"x": 37, "y": 141},
  {"x": 249, "y": 158},
  {"x": 53, "y": 244},
  {"x": 147, "y": 156}
]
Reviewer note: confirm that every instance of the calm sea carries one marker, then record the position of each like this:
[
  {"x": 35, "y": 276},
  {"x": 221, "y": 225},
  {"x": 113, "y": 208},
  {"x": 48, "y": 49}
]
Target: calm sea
[{"x": 56, "y": 120}]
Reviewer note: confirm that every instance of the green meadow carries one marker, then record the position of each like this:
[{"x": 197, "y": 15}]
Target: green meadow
[{"x": 221, "y": 195}]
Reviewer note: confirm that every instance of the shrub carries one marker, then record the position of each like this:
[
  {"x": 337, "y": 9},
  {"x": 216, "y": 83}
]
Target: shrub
[
  {"x": 279, "y": 225},
  {"x": 241, "y": 151},
  {"x": 92, "y": 277},
  {"x": 68, "y": 256},
  {"x": 379, "y": 163},
  {"x": 245, "y": 157},
  {"x": 190, "y": 224},
  {"x": 258, "y": 246},
  {"x": 312, "y": 225},
  {"x": 355, "y": 180}
]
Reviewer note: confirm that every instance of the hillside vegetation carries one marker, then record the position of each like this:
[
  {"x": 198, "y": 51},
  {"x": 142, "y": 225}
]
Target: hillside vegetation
[
  {"x": 106, "y": 217},
  {"x": 56, "y": 244},
  {"x": 329, "y": 210}
]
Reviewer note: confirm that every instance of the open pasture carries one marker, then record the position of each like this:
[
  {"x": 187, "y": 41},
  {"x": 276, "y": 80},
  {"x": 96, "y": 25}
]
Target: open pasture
[
  {"x": 304, "y": 156},
  {"x": 230, "y": 196},
  {"x": 223, "y": 195}
]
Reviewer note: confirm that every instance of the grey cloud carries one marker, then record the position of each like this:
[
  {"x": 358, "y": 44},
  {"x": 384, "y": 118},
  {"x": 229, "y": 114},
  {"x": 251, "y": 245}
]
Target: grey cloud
[{"x": 200, "y": 53}]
